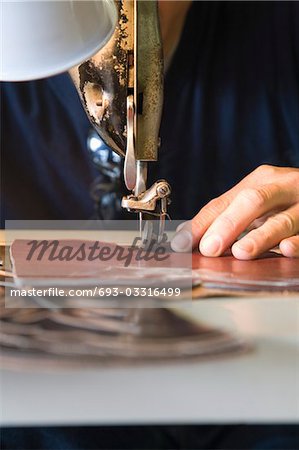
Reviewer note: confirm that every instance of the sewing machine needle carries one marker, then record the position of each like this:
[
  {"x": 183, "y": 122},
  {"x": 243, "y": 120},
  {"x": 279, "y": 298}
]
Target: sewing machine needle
[
  {"x": 141, "y": 178},
  {"x": 140, "y": 224}
]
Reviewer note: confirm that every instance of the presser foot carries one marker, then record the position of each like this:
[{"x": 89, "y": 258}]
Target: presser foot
[{"x": 152, "y": 205}]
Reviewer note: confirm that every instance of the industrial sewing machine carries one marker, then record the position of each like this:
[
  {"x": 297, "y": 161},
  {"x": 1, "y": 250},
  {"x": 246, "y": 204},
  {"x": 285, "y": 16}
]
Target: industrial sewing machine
[
  {"x": 119, "y": 78},
  {"x": 121, "y": 88}
]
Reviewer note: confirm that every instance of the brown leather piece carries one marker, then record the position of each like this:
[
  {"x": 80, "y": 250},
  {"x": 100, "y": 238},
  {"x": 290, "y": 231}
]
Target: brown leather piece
[
  {"x": 271, "y": 271},
  {"x": 74, "y": 268}
]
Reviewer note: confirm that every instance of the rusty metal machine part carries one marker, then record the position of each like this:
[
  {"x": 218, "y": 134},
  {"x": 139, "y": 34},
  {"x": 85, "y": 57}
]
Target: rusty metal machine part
[
  {"x": 131, "y": 61},
  {"x": 149, "y": 79},
  {"x": 121, "y": 88},
  {"x": 103, "y": 81}
]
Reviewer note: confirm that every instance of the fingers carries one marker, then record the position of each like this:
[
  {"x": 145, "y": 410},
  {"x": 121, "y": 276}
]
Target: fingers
[
  {"x": 217, "y": 226},
  {"x": 248, "y": 205},
  {"x": 189, "y": 233},
  {"x": 275, "y": 230},
  {"x": 206, "y": 216},
  {"x": 290, "y": 247}
]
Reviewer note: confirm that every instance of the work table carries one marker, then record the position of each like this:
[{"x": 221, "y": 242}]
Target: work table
[{"x": 255, "y": 387}]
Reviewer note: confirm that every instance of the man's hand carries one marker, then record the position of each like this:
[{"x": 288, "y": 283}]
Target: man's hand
[{"x": 266, "y": 203}]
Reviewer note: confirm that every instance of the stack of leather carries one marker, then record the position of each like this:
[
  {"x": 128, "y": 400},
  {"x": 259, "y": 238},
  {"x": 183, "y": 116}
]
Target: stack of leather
[
  {"x": 88, "y": 334},
  {"x": 80, "y": 337}
]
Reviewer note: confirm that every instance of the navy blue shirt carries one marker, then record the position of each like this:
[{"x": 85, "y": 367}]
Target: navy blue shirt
[{"x": 231, "y": 104}]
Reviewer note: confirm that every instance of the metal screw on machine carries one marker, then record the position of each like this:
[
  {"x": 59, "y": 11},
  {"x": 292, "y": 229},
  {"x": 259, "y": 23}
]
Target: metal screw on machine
[{"x": 163, "y": 190}]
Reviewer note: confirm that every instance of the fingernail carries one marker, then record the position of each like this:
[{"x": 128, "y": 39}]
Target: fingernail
[
  {"x": 211, "y": 246},
  {"x": 243, "y": 248},
  {"x": 288, "y": 248},
  {"x": 182, "y": 241},
  {"x": 182, "y": 225}
]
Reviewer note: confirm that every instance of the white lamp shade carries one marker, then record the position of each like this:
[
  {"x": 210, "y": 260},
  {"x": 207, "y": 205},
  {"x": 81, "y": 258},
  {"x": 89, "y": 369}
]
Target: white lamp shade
[{"x": 45, "y": 37}]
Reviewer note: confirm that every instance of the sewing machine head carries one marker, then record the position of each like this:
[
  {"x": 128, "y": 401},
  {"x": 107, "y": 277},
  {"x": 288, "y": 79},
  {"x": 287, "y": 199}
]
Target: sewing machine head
[{"x": 121, "y": 88}]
